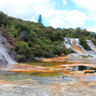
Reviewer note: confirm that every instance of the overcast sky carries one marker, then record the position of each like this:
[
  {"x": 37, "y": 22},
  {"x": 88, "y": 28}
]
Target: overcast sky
[{"x": 56, "y": 13}]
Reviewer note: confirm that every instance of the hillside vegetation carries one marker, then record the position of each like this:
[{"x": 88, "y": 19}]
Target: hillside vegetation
[
  {"x": 30, "y": 39},
  {"x": 84, "y": 44}
]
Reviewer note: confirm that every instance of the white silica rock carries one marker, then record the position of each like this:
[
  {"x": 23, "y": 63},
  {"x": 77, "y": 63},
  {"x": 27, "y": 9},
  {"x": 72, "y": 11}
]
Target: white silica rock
[
  {"x": 69, "y": 43},
  {"x": 5, "y": 57}
]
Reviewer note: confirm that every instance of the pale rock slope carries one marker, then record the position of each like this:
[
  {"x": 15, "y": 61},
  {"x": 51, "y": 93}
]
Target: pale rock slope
[
  {"x": 74, "y": 44},
  {"x": 5, "y": 57}
]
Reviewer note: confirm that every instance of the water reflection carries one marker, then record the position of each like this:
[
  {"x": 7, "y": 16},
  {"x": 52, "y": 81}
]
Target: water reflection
[{"x": 82, "y": 68}]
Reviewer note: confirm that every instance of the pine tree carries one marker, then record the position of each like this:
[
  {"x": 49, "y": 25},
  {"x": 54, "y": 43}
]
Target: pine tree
[{"x": 40, "y": 19}]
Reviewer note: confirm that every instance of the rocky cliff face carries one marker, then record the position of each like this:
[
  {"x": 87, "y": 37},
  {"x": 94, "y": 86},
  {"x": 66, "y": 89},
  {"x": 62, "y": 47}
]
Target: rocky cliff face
[{"x": 5, "y": 57}]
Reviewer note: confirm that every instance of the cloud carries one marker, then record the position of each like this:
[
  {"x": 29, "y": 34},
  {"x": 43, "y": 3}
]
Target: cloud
[
  {"x": 64, "y": 1},
  {"x": 23, "y": 7},
  {"x": 67, "y": 18},
  {"x": 76, "y": 18},
  {"x": 30, "y": 9},
  {"x": 87, "y": 4},
  {"x": 92, "y": 28}
]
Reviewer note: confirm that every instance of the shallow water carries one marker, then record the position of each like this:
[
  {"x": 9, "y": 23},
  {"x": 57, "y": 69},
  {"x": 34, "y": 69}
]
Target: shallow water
[
  {"x": 50, "y": 71},
  {"x": 82, "y": 68}
]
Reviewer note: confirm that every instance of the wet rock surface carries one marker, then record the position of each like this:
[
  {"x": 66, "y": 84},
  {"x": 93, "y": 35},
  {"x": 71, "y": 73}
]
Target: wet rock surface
[
  {"x": 55, "y": 77},
  {"x": 24, "y": 88},
  {"x": 38, "y": 88}
]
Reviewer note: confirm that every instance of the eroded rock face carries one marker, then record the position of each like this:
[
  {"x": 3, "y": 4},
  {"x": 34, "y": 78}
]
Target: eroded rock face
[{"x": 5, "y": 57}]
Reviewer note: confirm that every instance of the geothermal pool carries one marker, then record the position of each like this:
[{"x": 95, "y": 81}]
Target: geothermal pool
[
  {"x": 60, "y": 69},
  {"x": 50, "y": 77}
]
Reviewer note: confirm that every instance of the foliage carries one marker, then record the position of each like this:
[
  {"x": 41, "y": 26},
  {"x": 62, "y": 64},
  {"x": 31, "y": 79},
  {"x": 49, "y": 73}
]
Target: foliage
[
  {"x": 40, "y": 19},
  {"x": 3, "y": 19},
  {"x": 84, "y": 43},
  {"x": 23, "y": 51},
  {"x": 94, "y": 42},
  {"x": 35, "y": 40}
]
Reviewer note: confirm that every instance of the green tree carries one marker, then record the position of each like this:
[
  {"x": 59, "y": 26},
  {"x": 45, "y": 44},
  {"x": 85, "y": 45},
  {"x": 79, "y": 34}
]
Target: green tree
[
  {"x": 40, "y": 19},
  {"x": 83, "y": 42}
]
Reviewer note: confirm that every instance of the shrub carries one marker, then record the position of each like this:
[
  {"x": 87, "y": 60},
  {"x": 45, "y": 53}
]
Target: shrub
[
  {"x": 84, "y": 44},
  {"x": 3, "y": 19},
  {"x": 94, "y": 42},
  {"x": 23, "y": 51},
  {"x": 35, "y": 40}
]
